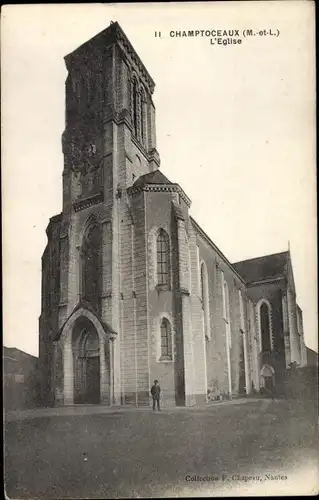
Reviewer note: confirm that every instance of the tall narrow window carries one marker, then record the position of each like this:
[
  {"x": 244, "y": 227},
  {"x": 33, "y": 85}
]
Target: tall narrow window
[
  {"x": 134, "y": 106},
  {"x": 265, "y": 327},
  {"x": 202, "y": 287},
  {"x": 166, "y": 340},
  {"x": 189, "y": 271},
  {"x": 241, "y": 310},
  {"x": 198, "y": 271},
  {"x": 226, "y": 311},
  {"x": 143, "y": 118},
  {"x": 163, "y": 271},
  {"x": 226, "y": 301},
  {"x": 91, "y": 266}
]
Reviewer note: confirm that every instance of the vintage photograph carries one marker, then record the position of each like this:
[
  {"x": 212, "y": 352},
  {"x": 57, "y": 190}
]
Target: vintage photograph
[{"x": 160, "y": 274}]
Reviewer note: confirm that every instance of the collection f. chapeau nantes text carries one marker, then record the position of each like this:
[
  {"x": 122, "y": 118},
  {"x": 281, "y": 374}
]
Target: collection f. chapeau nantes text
[{"x": 221, "y": 37}]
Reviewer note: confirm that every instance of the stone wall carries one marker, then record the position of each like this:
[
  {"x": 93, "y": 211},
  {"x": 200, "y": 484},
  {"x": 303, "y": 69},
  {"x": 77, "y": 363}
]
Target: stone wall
[
  {"x": 273, "y": 293},
  {"x": 216, "y": 346},
  {"x": 105, "y": 151}
]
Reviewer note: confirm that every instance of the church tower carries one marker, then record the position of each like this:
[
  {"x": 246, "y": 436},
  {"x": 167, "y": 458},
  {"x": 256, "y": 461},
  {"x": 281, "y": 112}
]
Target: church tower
[
  {"x": 109, "y": 141},
  {"x": 133, "y": 289}
]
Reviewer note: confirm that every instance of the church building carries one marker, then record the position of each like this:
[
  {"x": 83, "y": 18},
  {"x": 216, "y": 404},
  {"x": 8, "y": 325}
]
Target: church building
[{"x": 132, "y": 288}]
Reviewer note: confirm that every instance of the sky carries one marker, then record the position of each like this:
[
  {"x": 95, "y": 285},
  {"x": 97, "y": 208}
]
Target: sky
[{"x": 235, "y": 128}]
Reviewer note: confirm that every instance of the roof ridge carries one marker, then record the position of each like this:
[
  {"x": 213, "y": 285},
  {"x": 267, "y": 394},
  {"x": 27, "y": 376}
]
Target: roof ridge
[
  {"x": 261, "y": 257},
  {"x": 149, "y": 176}
]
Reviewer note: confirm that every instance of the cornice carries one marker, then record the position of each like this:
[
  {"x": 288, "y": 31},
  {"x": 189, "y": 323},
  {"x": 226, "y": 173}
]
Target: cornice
[
  {"x": 202, "y": 233},
  {"x": 160, "y": 188},
  {"x": 266, "y": 281},
  {"x": 130, "y": 52},
  {"x": 112, "y": 35},
  {"x": 88, "y": 202}
]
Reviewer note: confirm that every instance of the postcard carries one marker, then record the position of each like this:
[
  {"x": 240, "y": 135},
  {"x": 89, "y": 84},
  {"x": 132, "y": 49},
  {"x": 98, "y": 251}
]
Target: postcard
[{"x": 159, "y": 250}]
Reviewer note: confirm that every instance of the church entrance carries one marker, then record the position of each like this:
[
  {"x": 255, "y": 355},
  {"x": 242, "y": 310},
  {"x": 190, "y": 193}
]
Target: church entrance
[
  {"x": 92, "y": 393},
  {"x": 267, "y": 381},
  {"x": 86, "y": 356}
]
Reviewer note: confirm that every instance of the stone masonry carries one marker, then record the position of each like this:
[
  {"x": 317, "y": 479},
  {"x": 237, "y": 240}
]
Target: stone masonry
[{"x": 160, "y": 300}]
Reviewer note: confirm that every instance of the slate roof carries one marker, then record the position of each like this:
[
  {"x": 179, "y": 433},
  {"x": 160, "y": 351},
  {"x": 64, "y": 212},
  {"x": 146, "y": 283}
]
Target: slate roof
[
  {"x": 155, "y": 177},
  {"x": 261, "y": 268},
  {"x": 17, "y": 361},
  {"x": 16, "y": 353}
]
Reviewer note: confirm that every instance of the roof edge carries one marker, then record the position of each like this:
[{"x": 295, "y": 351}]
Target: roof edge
[
  {"x": 219, "y": 252},
  {"x": 172, "y": 187},
  {"x": 260, "y": 257},
  {"x": 116, "y": 30}
]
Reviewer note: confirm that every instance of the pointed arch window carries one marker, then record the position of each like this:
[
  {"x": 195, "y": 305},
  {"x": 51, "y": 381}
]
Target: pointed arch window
[
  {"x": 265, "y": 327},
  {"x": 134, "y": 106},
  {"x": 226, "y": 309},
  {"x": 91, "y": 268},
  {"x": 143, "y": 118},
  {"x": 202, "y": 283},
  {"x": 166, "y": 340},
  {"x": 241, "y": 310},
  {"x": 163, "y": 259},
  {"x": 226, "y": 302},
  {"x": 90, "y": 343},
  {"x": 189, "y": 270}
]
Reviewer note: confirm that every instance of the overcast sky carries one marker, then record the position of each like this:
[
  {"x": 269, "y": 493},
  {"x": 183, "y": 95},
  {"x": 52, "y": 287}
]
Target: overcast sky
[{"x": 235, "y": 128}]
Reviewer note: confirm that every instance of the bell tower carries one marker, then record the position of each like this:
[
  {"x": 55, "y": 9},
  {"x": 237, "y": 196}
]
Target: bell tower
[
  {"x": 109, "y": 138},
  {"x": 108, "y": 142}
]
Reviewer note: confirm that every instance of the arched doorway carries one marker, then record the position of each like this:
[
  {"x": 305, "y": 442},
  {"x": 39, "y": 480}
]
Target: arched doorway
[
  {"x": 267, "y": 379},
  {"x": 86, "y": 357}
]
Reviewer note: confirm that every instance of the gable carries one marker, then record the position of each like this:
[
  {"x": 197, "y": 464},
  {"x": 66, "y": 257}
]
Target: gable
[
  {"x": 262, "y": 268},
  {"x": 290, "y": 274}
]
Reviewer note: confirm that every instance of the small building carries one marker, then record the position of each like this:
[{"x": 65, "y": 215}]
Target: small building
[
  {"x": 312, "y": 357},
  {"x": 20, "y": 371}
]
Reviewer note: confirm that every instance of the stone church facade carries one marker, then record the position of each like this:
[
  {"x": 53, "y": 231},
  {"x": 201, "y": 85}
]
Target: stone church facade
[{"x": 132, "y": 288}]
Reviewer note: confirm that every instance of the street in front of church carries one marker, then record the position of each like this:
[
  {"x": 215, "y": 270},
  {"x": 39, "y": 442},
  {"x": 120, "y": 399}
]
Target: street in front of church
[{"x": 132, "y": 453}]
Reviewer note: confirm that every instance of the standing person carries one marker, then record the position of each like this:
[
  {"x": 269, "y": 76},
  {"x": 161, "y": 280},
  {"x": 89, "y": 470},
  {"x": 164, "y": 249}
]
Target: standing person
[{"x": 156, "y": 394}]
